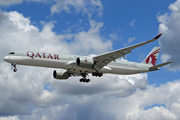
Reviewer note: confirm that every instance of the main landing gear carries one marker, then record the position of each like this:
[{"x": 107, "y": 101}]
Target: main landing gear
[
  {"x": 84, "y": 80},
  {"x": 97, "y": 74},
  {"x": 14, "y": 65}
]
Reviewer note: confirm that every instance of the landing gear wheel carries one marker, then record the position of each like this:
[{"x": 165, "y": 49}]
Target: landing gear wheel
[
  {"x": 88, "y": 80},
  {"x": 84, "y": 80},
  {"x": 100, "y": 74},
  {"x": 15, "y": 70},
  {"x": 97, "y": 74}
]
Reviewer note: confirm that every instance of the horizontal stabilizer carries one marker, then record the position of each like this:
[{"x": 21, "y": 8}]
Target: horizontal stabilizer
[{"x": 157, "y": 67}]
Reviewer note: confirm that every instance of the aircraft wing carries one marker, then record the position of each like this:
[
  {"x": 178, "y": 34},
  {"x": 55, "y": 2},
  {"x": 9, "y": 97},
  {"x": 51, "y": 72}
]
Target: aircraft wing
[{"x": 104, "y": 59}]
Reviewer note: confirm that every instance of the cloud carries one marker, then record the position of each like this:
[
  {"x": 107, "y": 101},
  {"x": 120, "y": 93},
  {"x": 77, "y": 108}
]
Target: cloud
[
  {"x": 132, "y": 23},
  {"x": 13, "y": 2},
  {"x": 91, "y": 40},
  {"x": 85, "y": 6},
  {"x": 10, "y": 118},
  {"x": 10, "y": 2},
  {"x": 170, "y": 28},
  {"x": 89, "y": 7},
  {"x": 29, "y": 37},
  {"x": 164, "y": 94},
  {"x": 156, "y": 113},
  {"x": 107, "y": 106},
  {"x": 130, "y": 40}
]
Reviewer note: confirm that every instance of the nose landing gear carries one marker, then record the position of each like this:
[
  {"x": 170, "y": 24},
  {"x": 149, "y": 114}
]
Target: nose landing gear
[{"x": 14, "y": 65}]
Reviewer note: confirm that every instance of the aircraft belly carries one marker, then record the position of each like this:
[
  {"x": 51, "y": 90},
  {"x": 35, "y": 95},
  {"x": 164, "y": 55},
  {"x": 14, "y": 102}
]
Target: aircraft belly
[{"x": 124, "y": 70}]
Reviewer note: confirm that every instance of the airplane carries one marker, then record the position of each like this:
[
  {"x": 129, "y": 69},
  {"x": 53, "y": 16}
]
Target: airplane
[{"x": 75, "y": 65}]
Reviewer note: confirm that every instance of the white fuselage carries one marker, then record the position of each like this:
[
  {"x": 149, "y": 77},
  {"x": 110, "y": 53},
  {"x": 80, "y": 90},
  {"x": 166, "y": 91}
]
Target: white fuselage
[{"x": 68, "y": 62}]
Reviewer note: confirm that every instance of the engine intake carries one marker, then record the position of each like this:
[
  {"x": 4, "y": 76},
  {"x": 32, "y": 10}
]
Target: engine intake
[
  {"x": 61, "y": 74},
  {"x": 85, "y": 62}
]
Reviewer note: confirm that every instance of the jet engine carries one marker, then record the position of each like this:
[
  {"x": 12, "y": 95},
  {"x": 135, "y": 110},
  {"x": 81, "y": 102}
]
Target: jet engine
[
  {"x": 85, "y": 62},
  {"x": 61, "y": 74}
]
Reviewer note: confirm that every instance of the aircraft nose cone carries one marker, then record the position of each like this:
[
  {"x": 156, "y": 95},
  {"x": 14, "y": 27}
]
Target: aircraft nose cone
[{"x": 6, "y": 58}]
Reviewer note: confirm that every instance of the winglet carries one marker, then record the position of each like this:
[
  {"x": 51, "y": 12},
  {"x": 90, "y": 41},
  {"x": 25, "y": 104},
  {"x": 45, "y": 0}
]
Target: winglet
[{"x": 157, "y": 37}]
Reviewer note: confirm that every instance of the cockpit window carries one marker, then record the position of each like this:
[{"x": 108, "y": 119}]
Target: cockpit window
[{"x": 12, "y": 53}]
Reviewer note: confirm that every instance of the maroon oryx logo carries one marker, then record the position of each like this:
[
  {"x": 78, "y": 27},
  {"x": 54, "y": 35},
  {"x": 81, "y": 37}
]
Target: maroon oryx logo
[{"x": 153, "y": 57}]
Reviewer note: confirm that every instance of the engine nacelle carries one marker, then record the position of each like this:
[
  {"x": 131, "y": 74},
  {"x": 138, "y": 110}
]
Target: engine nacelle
[
  {"x": 61, "y": 74},
  {"x": 85, "y": 62}
]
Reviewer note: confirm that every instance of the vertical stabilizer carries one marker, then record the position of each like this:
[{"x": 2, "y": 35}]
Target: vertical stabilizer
[{"x": 151, "y": 58}]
